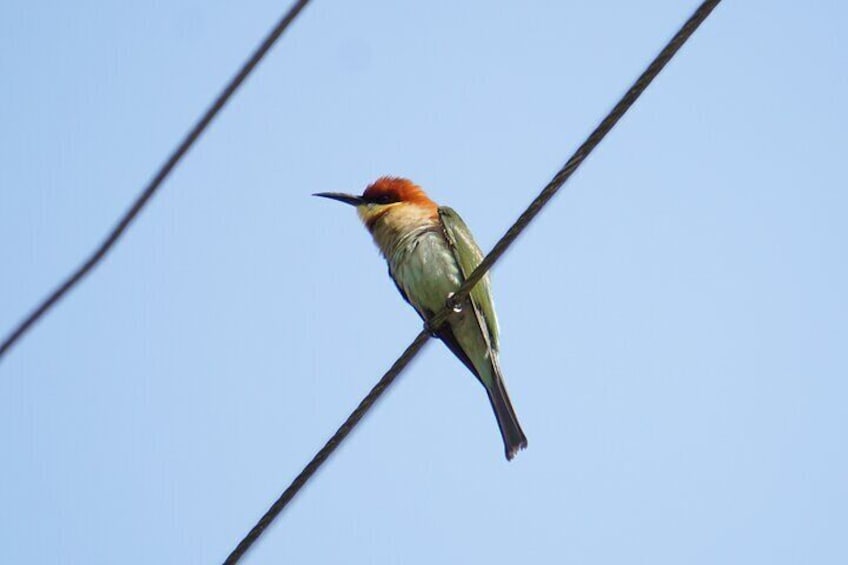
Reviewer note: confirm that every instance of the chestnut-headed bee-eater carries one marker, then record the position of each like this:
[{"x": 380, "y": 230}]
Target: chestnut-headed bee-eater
[{"x": 430, "y": 251}]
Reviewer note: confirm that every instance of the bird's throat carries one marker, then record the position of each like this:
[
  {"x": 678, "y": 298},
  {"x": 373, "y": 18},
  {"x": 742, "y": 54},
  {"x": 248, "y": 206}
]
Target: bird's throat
[{"x": 399, "y": 225}]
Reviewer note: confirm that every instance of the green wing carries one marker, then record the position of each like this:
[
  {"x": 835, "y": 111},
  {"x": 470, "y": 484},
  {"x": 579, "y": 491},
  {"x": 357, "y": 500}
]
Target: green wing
[{"x": 468, "y": 255}]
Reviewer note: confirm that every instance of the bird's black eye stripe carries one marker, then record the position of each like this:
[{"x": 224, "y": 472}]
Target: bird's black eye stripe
[{"x": 382, "y": 199}]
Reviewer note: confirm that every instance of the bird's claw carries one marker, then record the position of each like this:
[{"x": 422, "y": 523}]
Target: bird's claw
[{"x": 452, "y": 304}]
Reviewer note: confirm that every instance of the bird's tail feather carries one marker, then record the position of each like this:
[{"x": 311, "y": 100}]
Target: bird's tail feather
[{"x": 513, "y": 436}]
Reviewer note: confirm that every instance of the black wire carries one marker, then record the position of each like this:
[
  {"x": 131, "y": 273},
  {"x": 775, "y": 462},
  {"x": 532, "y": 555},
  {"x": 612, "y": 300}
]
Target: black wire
[
  {"x": 95, "y": 258},
  {"x": 328, "y": 448},
  {"x": 535, "y": 207},
  {"x": 582, "y": 152}
]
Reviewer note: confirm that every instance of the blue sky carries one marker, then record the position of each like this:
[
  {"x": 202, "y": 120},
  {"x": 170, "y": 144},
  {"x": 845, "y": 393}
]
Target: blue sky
[{"x": 674, "y": 325}]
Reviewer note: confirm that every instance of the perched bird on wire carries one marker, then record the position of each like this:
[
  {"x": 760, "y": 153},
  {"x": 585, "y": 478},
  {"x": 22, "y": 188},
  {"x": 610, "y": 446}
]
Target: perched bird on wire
[{"x": 430, "y": 251}]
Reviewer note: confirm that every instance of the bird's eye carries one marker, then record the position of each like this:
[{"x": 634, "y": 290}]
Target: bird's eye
[{"x": 385, "y": 199}]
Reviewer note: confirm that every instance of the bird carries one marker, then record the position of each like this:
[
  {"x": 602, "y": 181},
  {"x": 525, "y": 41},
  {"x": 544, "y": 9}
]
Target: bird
[{"x": 430, "y": 252}]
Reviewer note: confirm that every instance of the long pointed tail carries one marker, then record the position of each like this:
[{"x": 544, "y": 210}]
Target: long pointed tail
[{"x": 513, "y": 436}]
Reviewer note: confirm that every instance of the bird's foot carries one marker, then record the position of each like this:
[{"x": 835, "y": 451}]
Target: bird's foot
[{"x": 453, "y": 304}]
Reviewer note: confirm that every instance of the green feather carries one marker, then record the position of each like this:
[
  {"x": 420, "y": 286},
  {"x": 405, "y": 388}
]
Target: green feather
[{"x": 467, "y": 253}]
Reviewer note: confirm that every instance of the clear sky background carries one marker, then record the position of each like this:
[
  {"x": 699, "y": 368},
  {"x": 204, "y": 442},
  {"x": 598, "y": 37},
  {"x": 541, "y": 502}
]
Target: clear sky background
[{"x": 674, "y": 325}]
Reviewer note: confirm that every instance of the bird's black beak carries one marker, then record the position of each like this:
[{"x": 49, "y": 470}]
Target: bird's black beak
[{"x": 342, "y": 197}]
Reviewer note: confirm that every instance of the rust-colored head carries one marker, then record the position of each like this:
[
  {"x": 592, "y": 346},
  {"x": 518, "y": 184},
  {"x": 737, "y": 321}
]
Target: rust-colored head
[
  {"x": 389, "y": 190},
  {"x": 388, "y": 197}
]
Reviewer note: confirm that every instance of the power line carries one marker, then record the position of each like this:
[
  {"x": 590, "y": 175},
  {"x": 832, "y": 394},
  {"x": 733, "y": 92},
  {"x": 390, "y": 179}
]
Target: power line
[
  {"x": 582, "y": 152},
  {"x": 130, "y": 215},
  {"x": 500, "y": 247},
  {"x": 328, "y": 448}
]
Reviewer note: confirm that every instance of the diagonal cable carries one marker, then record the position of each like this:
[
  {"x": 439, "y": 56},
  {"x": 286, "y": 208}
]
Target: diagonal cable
[
  {"x": 500, "y": 247},
  {"x": 130, "y": 215},
  {"x": 580, "y": 155},
  {"x": 328, "y": 448}
]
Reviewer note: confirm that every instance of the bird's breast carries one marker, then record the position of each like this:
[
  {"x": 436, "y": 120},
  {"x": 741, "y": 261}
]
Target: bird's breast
[
  {"x": 420, "y": 259},
  {"x": 425, "y": 268}
]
